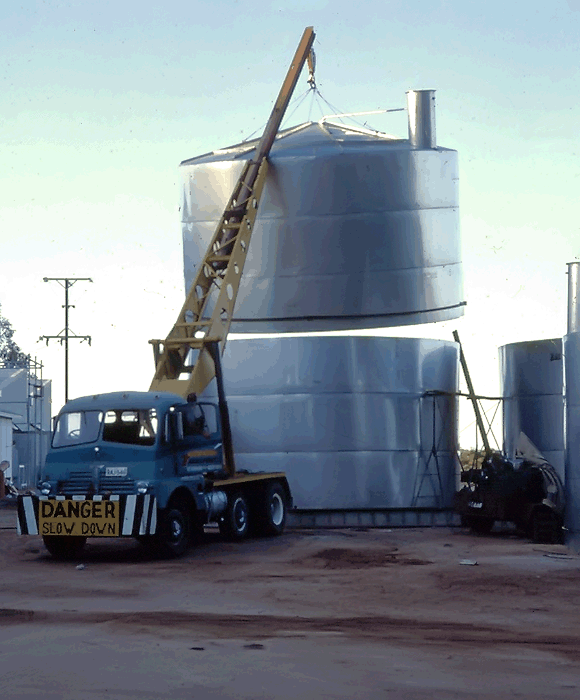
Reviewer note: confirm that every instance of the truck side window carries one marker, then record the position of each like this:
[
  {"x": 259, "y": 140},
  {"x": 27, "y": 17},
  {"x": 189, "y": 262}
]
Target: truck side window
[
  {"x": 194, "y": 422},
  {"x": 138, "y": 427}
]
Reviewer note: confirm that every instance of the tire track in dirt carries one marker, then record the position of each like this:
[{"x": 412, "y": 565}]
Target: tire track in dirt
[{"x": 376, "y": 628}]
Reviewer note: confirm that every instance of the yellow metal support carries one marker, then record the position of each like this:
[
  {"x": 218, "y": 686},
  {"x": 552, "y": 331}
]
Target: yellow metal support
[{"x": 183, "y": 362}]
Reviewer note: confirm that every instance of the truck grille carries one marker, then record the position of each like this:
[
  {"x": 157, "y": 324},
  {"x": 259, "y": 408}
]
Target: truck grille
[
  {"x": 79, "y": 483},
  {"x": 114, "y": 484}
]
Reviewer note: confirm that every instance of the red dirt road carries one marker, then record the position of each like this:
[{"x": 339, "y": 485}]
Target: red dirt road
[{"x": 313, "y": 614}]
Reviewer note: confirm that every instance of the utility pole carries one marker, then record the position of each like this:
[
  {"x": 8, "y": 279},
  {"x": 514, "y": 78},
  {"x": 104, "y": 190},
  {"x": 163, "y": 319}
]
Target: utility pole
[{"x": 66, "y": 334}]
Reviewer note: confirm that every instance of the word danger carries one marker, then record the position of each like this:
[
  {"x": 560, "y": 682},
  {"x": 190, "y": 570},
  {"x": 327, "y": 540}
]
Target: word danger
[
  {"x": 77, "y": 509},
  {"x": 79, "y": 518}
]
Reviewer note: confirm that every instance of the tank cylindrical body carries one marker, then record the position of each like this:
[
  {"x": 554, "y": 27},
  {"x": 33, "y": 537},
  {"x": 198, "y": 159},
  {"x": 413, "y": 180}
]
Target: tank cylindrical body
[
  {"x": 349, "y": 419},
  {"x": 532, "y": 379},
  {"x": 571, "y": 343},
  {"x": 354, "y": 230}
]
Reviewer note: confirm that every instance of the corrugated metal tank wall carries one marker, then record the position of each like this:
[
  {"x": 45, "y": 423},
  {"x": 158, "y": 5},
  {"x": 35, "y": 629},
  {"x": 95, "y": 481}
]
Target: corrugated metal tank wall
[
  {"x": 532, "y": 378},
  {"x": 572, "y": 394},
  {"x": 571, "y": 346},
  {"x": 347, "y": 419},
  {"x": 355, "y": 230}
]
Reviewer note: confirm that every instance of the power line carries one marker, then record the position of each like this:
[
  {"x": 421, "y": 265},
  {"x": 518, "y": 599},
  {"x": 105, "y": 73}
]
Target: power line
[{"x": 66, "y": 334}]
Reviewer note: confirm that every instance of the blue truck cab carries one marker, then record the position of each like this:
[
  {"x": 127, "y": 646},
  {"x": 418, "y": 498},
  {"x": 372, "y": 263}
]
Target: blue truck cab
[{"x": 145, "y": 465}]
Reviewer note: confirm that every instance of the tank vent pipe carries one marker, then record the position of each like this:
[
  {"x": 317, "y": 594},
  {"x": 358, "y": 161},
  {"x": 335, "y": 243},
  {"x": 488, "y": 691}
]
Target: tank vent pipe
[
  {"x": 573, "y": 301},
  {"x": 421, "y": 108}
]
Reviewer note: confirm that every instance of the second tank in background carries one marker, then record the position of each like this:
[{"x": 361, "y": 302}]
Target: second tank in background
[{"x": 531, "y": 376}]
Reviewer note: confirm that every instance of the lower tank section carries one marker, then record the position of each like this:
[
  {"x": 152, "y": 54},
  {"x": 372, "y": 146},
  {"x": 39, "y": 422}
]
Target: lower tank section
[
  {"x": 532, "y": 379},
  {"x": 354, "y": 422}
]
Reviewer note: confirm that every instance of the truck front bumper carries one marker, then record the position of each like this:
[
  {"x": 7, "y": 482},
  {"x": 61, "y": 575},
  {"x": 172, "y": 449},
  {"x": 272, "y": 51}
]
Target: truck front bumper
[{"x": 131, "y": 515}]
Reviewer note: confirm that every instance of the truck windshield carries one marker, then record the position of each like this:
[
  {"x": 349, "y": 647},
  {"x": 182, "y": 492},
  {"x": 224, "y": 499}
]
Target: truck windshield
[
  {"x": 129, "y": 427},
  {"x": 77, "y": 428}
]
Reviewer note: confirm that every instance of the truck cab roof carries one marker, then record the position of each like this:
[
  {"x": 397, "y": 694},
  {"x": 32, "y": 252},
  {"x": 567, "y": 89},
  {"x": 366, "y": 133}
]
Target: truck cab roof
[{"x": 161, "y": 400}]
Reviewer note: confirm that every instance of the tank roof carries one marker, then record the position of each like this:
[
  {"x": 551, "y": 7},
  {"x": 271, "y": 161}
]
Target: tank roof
[{"x": 304, "y": 139}]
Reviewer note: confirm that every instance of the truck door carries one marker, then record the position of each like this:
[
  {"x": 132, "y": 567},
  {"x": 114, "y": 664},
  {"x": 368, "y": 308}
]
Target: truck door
[{"x": 199, "y": 444}]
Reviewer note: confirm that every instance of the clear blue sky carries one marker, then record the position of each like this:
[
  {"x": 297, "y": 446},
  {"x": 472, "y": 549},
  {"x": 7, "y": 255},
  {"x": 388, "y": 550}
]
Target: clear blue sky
[{"x": 101, "y": 101}]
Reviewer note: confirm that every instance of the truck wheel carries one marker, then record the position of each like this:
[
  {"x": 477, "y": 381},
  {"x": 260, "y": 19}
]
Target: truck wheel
[
  {"x": 466, "y": 521},
  {"x": 197, "y": 534},
  {"x": 235, "y": 522},
  {"x": 64, "y": 547},
  {"x": 271, "y": 515},
  {"x": 482, "y": 526},
  {"x": 545, "y": 527},
  {"x": 172, "y": 539}
]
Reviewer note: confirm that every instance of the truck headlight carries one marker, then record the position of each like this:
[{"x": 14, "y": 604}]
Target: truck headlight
[
  {"x": 142, "y": 487},
  {"x": 45, "y": 488}
]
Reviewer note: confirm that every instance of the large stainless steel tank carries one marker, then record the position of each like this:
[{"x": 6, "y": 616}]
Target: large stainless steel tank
[
  {"x": 355, "y": 229},
  {"x": 532, "y": 378},
  {"x": 571, "y": 344},
  {"x": 347, "y": 418}
]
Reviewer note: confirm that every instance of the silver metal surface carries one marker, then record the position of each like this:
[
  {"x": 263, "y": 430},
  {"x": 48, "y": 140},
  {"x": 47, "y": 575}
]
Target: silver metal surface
[
  {"x": 216, "y": 502},
  {"x": 531, "y": 375},
  {"x": 421, "y": 110},
  {"x": 355, "y": 230},
  {"x": 571, "y": 344},
  {"x": 573, "y": 301},
  {"x": 346, "y": 418}
]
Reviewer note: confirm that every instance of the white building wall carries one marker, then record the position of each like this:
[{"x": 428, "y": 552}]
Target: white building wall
[
  {"x": 14, "y": 394},
  {"x": 6, "y": 442}
]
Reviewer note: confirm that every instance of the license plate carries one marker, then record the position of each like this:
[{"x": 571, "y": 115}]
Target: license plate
[
  {"x": 79, "y": 518},
  {"x": 116, "y": 471},
  {"x": 475, "y": 504}
]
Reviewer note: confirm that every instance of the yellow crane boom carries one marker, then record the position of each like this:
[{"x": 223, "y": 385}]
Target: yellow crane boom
[{"x": 185, "y": 362}]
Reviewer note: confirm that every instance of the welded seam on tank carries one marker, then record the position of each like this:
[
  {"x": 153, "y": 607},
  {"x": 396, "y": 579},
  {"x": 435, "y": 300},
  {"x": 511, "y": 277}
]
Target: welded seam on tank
[
  {"x": 313, "y": 217},
  {"x": 351, "y": 316},
  {"x": 363, "y": 271},
  {"x": 281, "y": 455},
  {"x": 410, "y": 395}
]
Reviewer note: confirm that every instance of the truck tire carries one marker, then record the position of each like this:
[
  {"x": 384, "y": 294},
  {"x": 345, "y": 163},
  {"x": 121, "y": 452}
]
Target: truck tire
[
  {"x": 235, "y": 522},
  {"x": 172, "y": 538},
  {"x": 545, "y": 527},
  {"x": 271, "y": 511},
  {"x": 64, "y": 548},
  {"x": 482, "y": 526}
]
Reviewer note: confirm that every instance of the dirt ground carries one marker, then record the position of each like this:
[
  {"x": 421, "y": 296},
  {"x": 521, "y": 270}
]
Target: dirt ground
[{"x": 395, "y": 614}]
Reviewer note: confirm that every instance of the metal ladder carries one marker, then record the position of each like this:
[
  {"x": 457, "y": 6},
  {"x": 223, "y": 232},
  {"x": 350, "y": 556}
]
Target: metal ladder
[{"x": 185, "y": 351}]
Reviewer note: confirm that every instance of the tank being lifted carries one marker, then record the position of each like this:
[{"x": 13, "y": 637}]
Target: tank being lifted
[{"x": 356, "y": 229}]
